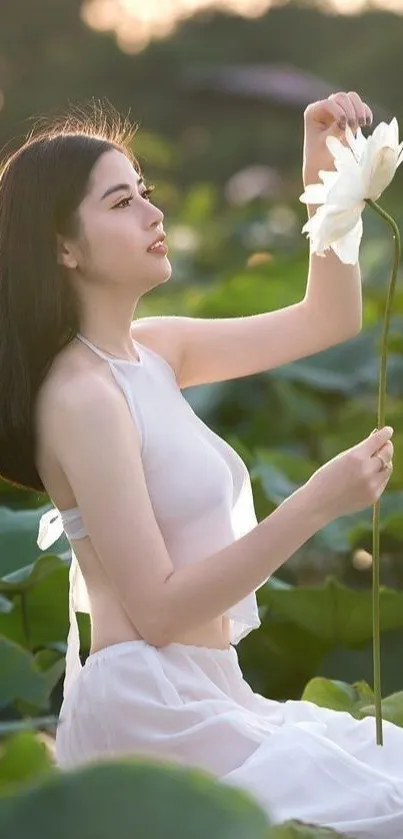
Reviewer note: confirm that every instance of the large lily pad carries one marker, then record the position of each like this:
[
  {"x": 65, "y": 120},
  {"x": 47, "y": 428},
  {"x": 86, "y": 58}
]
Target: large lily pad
[
  {"x": 20, "y": 677},
  {"x": 339, "y": 696},
  {"x": 392, "y": 708},
  {"x": 23, "y": 579},
  {"x": 132, "y": 798},
  {"x": 338, "y": 614},
  {"x": 23, "y": 758},
  {"x": 18, "y": 535},
  {"x": 46, "y": 614}
]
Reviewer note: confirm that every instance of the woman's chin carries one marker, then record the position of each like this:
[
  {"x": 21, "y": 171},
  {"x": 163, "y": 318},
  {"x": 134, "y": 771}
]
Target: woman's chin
[
  {"x": 167, "y": 271},
  {"x": 163, "y": 272}
]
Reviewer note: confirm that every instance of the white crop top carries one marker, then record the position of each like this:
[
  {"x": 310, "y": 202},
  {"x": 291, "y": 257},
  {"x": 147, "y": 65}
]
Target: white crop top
[{"x": 198, "y": 485}]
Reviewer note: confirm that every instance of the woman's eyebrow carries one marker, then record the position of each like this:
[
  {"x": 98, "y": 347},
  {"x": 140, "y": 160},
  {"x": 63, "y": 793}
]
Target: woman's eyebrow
[{"x": 119, "y": 187}]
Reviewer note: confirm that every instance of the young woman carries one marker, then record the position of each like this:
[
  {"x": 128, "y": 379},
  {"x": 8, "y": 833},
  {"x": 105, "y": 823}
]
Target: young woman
[{"x": 166, "y": 551}]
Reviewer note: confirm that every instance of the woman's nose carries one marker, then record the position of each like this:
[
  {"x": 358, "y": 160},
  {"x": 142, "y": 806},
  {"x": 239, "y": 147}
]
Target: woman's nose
[{"x": 157, "y": 216}]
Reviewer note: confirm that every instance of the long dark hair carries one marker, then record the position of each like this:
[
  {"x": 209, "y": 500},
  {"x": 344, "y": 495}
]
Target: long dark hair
[{"x": 42, "y": 184}]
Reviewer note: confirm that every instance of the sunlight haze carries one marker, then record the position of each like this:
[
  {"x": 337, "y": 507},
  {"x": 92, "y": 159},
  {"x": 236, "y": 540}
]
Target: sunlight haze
[{"x": 136, "y": 22}]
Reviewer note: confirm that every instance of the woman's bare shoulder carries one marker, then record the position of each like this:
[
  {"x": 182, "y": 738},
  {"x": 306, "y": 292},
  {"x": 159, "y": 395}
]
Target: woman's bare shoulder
[
  {"x": 70, "y": 373},
  {"x": 71, "y": 378}
]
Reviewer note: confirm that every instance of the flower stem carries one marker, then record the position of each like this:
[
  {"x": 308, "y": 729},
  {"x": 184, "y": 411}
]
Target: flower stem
[{"x": 376, "y": 506}]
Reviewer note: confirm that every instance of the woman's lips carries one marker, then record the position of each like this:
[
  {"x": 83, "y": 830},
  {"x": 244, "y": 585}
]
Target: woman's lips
[{"x": 160, "y": 249}]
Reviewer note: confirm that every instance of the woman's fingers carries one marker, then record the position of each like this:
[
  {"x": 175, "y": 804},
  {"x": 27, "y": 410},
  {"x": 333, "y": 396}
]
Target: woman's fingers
[{"x": 351, "y": 109}]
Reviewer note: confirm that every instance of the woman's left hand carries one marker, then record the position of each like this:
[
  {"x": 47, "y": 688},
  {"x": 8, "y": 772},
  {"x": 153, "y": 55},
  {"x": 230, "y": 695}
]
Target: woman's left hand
[{"x": 330, "y": 117}]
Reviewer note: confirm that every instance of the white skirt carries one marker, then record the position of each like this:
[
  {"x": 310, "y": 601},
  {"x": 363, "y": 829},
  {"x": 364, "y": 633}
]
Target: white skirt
[{"x": 192, "y": 705}]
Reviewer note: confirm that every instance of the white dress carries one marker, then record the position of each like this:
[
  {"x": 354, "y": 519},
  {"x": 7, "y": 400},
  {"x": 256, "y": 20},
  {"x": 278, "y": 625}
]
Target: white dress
[{"x": 191, "y": 704}]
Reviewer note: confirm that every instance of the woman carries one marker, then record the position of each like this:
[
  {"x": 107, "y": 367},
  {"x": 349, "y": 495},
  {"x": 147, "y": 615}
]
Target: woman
[{"x": 167, "y": 553}]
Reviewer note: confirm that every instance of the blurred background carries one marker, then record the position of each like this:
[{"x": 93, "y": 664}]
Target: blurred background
[{"x": 218, "y": 90}]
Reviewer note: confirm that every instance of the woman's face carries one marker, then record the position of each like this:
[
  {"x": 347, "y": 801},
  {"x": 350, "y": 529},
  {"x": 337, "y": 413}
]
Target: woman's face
[{"x": 118, "y": 224}]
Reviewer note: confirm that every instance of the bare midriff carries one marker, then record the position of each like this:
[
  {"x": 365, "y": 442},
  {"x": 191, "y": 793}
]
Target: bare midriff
[{"x": 110, "y": 623}]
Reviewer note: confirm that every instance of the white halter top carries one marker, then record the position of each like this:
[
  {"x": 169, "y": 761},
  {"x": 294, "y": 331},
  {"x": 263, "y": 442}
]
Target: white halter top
[{"x": 199, "y": 487}]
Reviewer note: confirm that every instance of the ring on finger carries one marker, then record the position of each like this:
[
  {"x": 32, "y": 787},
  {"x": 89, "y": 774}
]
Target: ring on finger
[{"x": 384, "y": 465}]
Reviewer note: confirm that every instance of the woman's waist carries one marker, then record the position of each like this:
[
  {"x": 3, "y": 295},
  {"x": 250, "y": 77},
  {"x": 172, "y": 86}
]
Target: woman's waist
[{"x": 111, "y": 626}]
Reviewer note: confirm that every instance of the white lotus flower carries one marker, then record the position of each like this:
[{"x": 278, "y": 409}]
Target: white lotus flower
[{"x": 363, "y": 170}]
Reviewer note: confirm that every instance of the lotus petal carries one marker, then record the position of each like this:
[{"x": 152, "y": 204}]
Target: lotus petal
[
  {"x": 347, "y": 248},
  {"x": 330, "y": 224},
  {"x": 382, "y": 172},
  {"x": 314, "y": 194}
]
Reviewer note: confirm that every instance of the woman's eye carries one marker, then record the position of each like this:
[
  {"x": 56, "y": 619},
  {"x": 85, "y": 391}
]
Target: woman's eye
[
  {"x": 123, "y": 201},
  {"x": 147, "y": 192}
]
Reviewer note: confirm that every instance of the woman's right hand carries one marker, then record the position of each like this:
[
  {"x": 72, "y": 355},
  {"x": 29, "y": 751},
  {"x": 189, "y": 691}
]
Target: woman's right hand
[{"x": 354, "y": 479}]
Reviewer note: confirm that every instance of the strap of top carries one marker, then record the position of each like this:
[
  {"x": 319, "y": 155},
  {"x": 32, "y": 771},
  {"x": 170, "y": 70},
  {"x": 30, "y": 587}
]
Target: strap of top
[
  {"x": 108, "y": 356},
  {"x": 93, "y": 347}
]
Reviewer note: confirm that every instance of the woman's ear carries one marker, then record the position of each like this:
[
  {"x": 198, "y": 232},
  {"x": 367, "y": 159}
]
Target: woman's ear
[{"x": 65, "y": 255}]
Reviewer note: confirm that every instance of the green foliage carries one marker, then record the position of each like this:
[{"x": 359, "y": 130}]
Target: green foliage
[
  {"x": 151, "y": 800},
  {"x": 341, "y": 615},
  {"x": 339, "y": 696},
  {"x": 23, "y": 759},
  {"x": 156, "y": 801},
  {"x": 392, "y": 708},
  {"x": 21, "y": 678}
]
